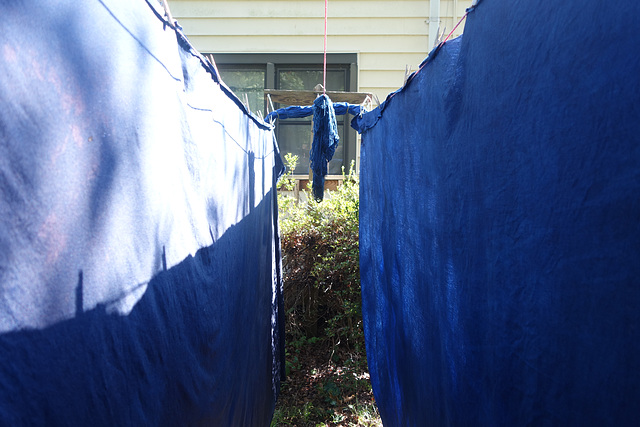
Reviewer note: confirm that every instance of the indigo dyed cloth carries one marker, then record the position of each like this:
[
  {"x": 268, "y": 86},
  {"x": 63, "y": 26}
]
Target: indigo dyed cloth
[
  {"x": 139, "y": 253},
  {"x": 325, "y": 142},
  {"x": 500, "y": 224},
  {"x": 325, "y": 133}
]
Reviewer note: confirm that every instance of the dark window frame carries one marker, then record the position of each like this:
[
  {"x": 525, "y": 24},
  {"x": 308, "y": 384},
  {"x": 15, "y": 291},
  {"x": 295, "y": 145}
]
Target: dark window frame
[{"x": 273, "y": 63}]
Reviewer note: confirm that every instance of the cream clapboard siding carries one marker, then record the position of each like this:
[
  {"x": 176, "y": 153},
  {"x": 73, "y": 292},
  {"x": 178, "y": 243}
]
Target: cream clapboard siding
[{"x": 388, "y": 36}]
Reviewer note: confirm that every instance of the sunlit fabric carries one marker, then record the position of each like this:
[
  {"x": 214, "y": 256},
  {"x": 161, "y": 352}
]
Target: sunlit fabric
[
  {"x": 139, "y": 255},
  {"x": 500, "y": 224}
]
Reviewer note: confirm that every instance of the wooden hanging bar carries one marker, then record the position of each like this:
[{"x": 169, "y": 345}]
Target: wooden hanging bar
[{"x": 306, "y": 97}]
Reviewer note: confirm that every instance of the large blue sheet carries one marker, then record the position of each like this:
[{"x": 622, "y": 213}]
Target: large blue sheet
[
  {"x": 139, "y": 253},
  {"x": 500, "y": 224}
]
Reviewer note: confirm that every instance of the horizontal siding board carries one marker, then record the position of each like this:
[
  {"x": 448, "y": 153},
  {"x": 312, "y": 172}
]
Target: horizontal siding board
[
  {"x": 447, "y": 8},
  {"x": 313, "y": 9},
  {"x": 390, "y": 61},
  {"x": 379, "y": 79},
  {"x": 380, "y": 92},
  {"x": 303, "y": 26},
  {"x": 299, "y": 9},
  {"x": 308, "y": 44}
]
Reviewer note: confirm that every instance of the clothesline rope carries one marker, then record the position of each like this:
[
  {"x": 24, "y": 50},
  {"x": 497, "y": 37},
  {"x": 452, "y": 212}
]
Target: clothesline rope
[
  {"x": 469, "y": 9},
  {"x": 324, "y": 69},
  {"x": 457, "y": 25},
  {"x": 167, "y": 11}
]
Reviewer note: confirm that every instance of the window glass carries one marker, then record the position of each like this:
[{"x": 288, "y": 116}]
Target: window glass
[
  {"x": 336, "y": 163},
  {"x": 308, "y": 79},
  {"x": 246, "y": 82},
  {"x": 295, "y": 138}
]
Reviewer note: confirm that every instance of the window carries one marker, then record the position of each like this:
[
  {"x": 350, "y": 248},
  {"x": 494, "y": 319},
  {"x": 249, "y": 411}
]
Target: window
[
  {"x": 248, "y": 84},
  {"x": 249, "y": 74}
]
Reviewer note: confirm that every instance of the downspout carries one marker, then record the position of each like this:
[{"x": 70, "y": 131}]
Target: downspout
[{"x": 434, "y": 21}]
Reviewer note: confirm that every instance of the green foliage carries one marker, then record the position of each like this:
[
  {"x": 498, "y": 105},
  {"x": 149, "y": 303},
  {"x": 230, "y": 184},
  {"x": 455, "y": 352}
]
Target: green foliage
[
  {"x": 286, "y": 181},
  {"x": 326, "y": 361},
  {"x": 292, "y": 352},
  {"x": 321, "y": 263}
]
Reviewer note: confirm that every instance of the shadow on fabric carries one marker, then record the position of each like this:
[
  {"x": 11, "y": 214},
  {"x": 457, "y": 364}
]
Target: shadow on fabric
[
  {"x": 120, "y": 155},
  {"x": 195, "y": 350}
]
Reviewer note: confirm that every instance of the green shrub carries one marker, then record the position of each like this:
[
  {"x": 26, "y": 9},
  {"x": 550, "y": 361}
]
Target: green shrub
[
  {"x": 327, "y": 377},
  {"x": 321, "y": 263}
]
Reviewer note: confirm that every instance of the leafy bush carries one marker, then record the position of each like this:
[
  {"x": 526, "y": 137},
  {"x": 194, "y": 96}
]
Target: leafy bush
[
  {"x": 327, "y": 377},
  {"x": 321, "y": 263}
]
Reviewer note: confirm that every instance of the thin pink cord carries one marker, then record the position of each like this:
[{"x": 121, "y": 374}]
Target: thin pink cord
[
  {"x": 457, "y": 25},
  {"x": 324, "y": 70}
]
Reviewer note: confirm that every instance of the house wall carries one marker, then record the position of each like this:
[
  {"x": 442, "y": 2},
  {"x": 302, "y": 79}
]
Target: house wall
[{"x": 388, "y": 36}]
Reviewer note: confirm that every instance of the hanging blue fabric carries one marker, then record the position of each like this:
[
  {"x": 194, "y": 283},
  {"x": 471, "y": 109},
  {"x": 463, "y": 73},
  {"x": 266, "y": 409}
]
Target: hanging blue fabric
[
  {"x": 325, "y": 141},
  {"x": 295, "y": 112},
  {"x": 325, "y": 133}
]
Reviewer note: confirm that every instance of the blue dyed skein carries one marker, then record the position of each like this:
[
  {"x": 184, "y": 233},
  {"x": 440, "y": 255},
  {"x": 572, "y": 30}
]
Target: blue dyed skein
[{"x": 325, "y": 141}]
